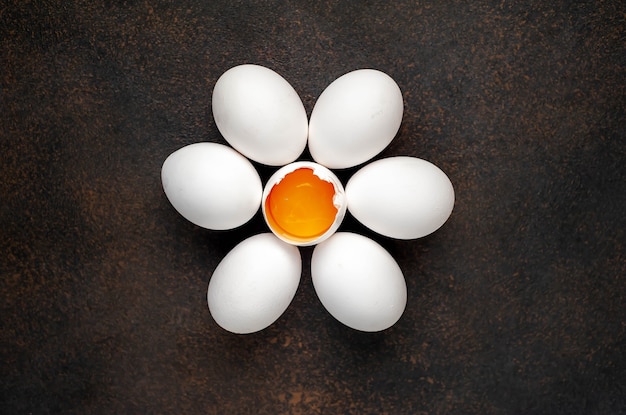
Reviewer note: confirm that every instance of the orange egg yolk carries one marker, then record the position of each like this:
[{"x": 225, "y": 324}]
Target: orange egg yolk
[{"x": 300, "y": 207}]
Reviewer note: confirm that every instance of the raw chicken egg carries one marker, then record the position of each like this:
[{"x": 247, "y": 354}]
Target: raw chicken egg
[
  {"x": 355, "y": 118},
  {"x": 260, "y": 114},
  {"x": 254, "y": 284},
  {"x": 303, "y": 203},
  {"x": 212, "y": 185},
  {"x": 358, "y": 282},
  {"x": 401, "y": 197}
]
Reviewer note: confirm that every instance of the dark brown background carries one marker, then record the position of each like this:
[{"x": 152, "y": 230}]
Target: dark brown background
[{"x": 516, "y": 306}]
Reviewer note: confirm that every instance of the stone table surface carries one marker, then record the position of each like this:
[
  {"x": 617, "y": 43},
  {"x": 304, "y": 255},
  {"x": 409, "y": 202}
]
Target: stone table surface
[{"x": 517, "y": 305}]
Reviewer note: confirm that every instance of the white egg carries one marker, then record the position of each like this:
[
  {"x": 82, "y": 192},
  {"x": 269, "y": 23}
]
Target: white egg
[
  {"x": 254, "y": 284},
  {"x": 260, "y": 114},
  {"x": 358, "y": 282},
  {"x": 303, "y": 203},
  {"x": 400, "y": 197},
  {"x": 355, "y": 118},
  {"x": 212, "y": 185}
]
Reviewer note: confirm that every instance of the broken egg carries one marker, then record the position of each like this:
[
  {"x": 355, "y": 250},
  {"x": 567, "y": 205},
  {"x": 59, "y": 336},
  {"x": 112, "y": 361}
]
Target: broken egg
[{"x": 303, "y": 203}]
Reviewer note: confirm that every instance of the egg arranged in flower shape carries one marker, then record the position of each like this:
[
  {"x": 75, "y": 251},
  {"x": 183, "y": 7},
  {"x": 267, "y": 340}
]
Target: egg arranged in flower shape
[
  {"x": 304, "y": 203},
  {"x": 260, "y": 114},
  {"x": 355, "y": 118},
  {"x": 212, "y": 185}
]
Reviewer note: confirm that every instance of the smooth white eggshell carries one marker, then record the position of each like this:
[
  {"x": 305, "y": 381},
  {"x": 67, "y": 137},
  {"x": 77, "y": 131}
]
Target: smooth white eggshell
[
  {"x": 355, "y": 118},
  {"x": 212, "y": 185},
  {"x": 400, "y": 197},
  {"x": 339, "y": 200},
  {"x": 260, "y": 114},
  {"x": 254, "y": 284},
  {"x": 358, "y": 282}
]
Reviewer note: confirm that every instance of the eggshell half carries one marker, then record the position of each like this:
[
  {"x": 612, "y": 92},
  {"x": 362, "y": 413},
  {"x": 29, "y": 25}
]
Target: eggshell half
[
  {"x": 211, "y": 185},
  {"x": 358, "y": 282},
  {"x": 260, "y": 114},
  {"x": 401, "y": 197},
  {"x": 355, "y": 118},
  {"x": 254, "y": 284},
  {"x": 339, "y": 200}
]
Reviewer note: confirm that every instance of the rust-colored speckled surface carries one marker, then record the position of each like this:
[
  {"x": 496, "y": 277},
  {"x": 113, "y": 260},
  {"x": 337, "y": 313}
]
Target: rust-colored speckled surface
[{"x": 516, "y": 306}]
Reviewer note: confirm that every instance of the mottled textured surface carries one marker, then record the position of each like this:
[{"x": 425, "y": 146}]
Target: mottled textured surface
[{"x": 516, "y": 306}]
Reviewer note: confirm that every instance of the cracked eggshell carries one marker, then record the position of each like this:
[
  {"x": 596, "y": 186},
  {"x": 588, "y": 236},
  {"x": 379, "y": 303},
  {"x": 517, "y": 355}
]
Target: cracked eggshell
[
  {"x": 339, "y": 199},
  {"x": 355, "y": 118},
  {"x": 254, "y": 284},
  {"x": 358, "y": 282},
  {"x": 260, "y": 114},
  {"x": 401, "y": 197},
  {"x": 212, "y": 185}
]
